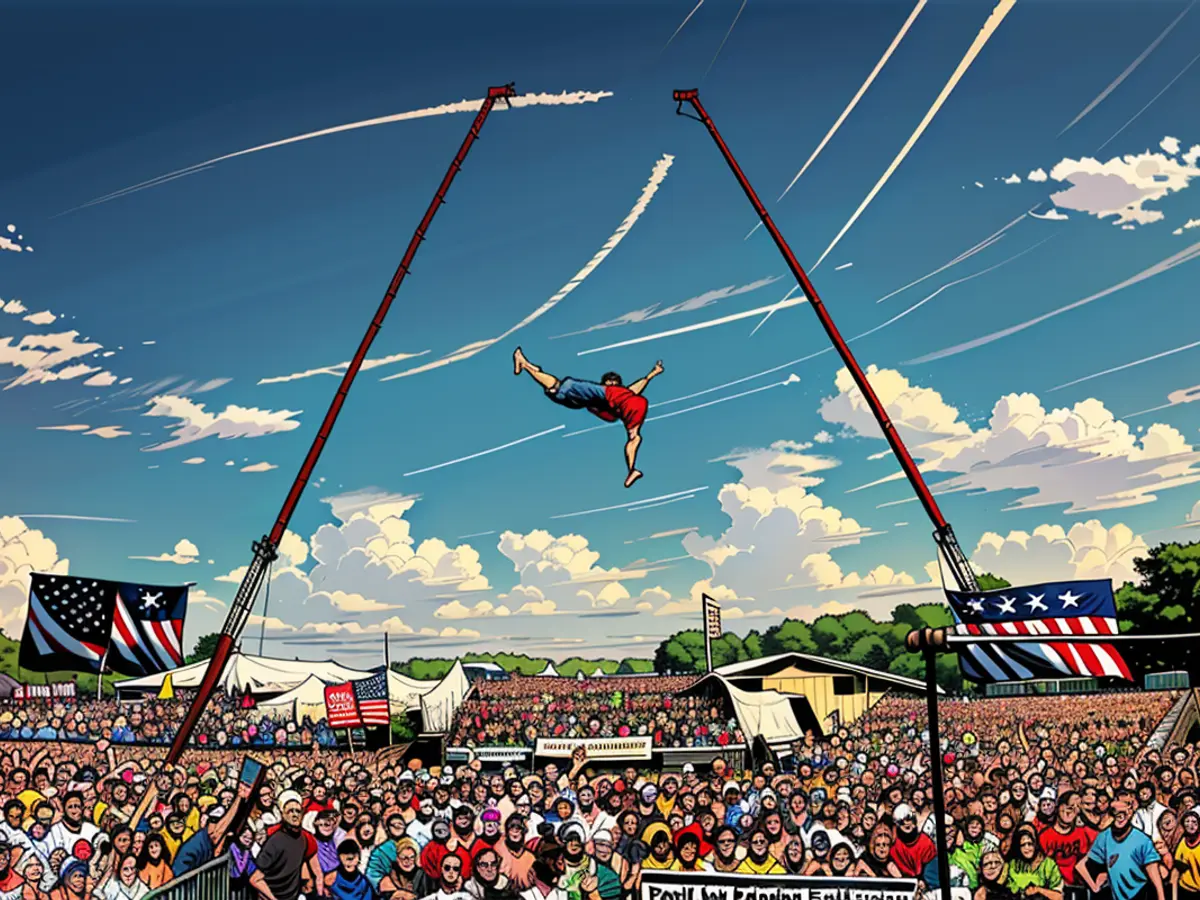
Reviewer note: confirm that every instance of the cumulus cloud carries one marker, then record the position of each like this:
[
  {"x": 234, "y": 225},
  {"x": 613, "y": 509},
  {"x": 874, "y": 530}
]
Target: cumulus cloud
[
  {"x": 23, "y": 551},
  {"x": 1082, "y": 458},
  {"x": 1170, "y": 144},
  {"x": 1186, "y": 226},
  {"x": 1014, "y": 178},
  {"x": 1122, "y": 186},
  {"x": 1088, "y": 550},
  {"x": 1038, "y": 175},
  {"x": 653, "y": 311},
  {"x": 194, "y": 423},
  {"x": 185, "y": 552}
]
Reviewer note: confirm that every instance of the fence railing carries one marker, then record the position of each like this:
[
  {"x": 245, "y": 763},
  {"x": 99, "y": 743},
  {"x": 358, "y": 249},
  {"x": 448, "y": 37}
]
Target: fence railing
[{"x": 209, "y": 882}]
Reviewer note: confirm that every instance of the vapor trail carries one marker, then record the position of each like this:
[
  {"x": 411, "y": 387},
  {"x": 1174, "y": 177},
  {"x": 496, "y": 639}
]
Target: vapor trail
[
  {"x": 771, "y": 312},
  {"x": 1128, "y": 365},
  {"x": 989, "y": 28},
  {"x": 1158, "y": 268},
  {"x": 732, "y": 25},
  {"x": 451, "y": 462},
  {"x": 686, "y": 19},
  {"x": 72, "y": 518},
  {"x": 1128, "y": 70},
  {"x": 657, "y": 174},
  {"x": 564, "y": 99},
  {"x": 1151, "y": 101}
]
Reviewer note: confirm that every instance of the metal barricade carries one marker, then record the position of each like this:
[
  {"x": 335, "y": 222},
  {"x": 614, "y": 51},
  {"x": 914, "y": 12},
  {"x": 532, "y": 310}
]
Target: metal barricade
[{"x": 209, "y": 882}]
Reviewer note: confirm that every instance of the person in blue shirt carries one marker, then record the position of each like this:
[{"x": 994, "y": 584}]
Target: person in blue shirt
[{"x": 1122, "y": 857}]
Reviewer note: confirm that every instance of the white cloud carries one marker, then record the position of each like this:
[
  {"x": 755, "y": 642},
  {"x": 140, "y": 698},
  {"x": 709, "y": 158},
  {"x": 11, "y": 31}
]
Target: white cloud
[
  {"x": 44, "y": 357},
  {"x": 196, "y": 424},
  {"x": 823, "y": 437},
  {"x": 1038, "y": 175},
  {"x": 101, "y": 379},
  {"x": 455, "y": 609},
  {"x": 1189, "y": 224},
  {"x": 193, "y": 460},
  {"x": 1054, "y": 215},
  {"x": 1082, "y": 458},
  {"x": 259, "y": 467},
  {"x": 1014, "y": 178},
  {"x": 23, "y": 551},
  {"x": 45, "y": 317},
  {"x": 185, "y": 552},
  {"x": 1121, "y": 186},
  {"x": 107, "y": 432},
  {"x": 1087, "y": 551},
  {"x": 700, "y": 301},
  {"x": 1170, "y": 144},
  {"x": 13, "y": 307}
]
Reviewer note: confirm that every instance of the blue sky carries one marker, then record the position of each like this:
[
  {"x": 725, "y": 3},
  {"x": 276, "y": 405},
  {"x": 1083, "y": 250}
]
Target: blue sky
[{"x": 272, "y": 263}]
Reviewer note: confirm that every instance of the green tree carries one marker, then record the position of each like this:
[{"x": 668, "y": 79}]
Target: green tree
[
  {"x": 206, "y": 646},
  {"x": 789, "y": 636},
  {"x": 754, "y": 645},
  {"x": 829, "y": 636},
  {"x": 682, "y": 652},
  {"x": 989, "y": 582},
  {"x": 871, "y": 651}
]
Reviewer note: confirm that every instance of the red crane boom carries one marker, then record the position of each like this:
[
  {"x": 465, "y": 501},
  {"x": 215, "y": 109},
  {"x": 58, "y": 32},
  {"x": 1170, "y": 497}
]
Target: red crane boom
[
  {"x": 943, "y": 534},
  {"x": 266, "y": 549}
]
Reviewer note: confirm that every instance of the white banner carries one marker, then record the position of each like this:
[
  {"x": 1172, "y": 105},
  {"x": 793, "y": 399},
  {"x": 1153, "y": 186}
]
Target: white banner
[
  {"x": 57, "y": 689},
  {"x": 665, "y": 885},
  {"x": 494, "y": 754},
  {"x": 597, "y": 748}
]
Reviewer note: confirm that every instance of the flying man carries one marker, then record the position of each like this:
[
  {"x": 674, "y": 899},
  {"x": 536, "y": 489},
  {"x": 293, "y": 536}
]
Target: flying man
[{"x": 608, "y": 399}]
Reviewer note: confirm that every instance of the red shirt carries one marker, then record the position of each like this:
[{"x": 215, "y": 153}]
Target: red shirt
[
  {"x": 623, "y": 404},
  {"x": 1068, "y": 849},
  {"x": 911, "y": 859}
]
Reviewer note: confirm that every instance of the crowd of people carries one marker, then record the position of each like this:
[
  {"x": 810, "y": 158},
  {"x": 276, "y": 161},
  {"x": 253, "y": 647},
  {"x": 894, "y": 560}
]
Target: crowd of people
[
  {"x": 1045, "y": 797},
  {"x": 516, "y": 713}
]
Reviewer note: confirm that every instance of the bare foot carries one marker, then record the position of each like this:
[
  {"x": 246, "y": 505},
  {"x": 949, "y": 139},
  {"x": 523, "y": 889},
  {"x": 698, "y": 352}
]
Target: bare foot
[
  {"x": 519, "y": 361},
  {"x": 633, "y": 476}
]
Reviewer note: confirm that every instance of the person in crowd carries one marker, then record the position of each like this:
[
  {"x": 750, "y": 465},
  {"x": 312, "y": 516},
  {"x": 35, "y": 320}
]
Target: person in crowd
[
  {"x": 1123, "y": 856},
  {"x": 347, "y": 881},
  {"x": 280, "y": 865},
  {"x": 1031, "y": 873}
]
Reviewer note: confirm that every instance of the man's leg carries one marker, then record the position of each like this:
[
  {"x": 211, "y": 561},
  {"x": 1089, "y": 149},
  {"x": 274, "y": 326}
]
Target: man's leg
[
  {"x": 521, "y": 364},
  {"x": 631, "y": 450}
]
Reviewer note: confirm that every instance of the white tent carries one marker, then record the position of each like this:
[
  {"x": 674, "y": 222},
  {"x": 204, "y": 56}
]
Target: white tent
[
  {"x": 599, "y": 673},
  {"x": 439, "y": 705},
  {"x": 264, "y": 675},
  {"x": 766, "y": 713},
  {"x": 306, "y": 699},
  {"x": 549, "y": 671}
]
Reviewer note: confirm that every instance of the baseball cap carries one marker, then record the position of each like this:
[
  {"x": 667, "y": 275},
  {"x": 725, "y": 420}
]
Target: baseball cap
[
  {"x": 902, "y": 812},
  {"x": 688, "y": 768},
  {"x": 1048, "y": 794},
  {"x": 603, "y": 836},
  {"x": 649, "y": 792}
]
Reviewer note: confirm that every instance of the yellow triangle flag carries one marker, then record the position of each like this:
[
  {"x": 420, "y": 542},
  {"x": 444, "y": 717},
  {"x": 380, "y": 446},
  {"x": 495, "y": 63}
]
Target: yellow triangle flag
[{"x": 167, "y": 691}]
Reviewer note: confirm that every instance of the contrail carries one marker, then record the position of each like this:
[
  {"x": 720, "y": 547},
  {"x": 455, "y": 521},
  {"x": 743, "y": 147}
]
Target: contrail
[
  {"x": 1158, "y": 268},
  {"x": 1128, "y": 70},
  {"x": 72, "y": 518},
  {"x": 1129, "y": 365},
  {"x": 966, "y": 254},
  {"x": 587, "y": 512},
  {"x": 887, "y": 54},
  {"x": 686, "y": 19},
  {"x": 339, "y": 369},
  {"x": 732, "y": 25},
  {"x": 710, "y": 323},
  {"x": 566, "y": 98},
  {"x": 466, "y": 352},
  {"x": 989, "y": 28},
  {"x": 771, "y": 312},
  {"x": 1151, "y": 101},
  {"x": 452, "y": 462},
  {"x": 663, "y": 503},
  {"x": 842, "y": 266}
]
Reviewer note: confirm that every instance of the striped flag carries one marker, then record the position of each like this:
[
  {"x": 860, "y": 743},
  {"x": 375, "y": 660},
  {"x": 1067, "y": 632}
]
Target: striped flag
[
  {"x": 371, "y": 695},
  {"x": 1067, "y": 607},
  {"x": 147, "y": 632},
  {"x": 68, "y": 623}
]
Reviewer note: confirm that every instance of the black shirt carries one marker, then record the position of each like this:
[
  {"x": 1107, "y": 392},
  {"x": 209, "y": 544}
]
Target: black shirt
[{"x": 280, "y": 861}]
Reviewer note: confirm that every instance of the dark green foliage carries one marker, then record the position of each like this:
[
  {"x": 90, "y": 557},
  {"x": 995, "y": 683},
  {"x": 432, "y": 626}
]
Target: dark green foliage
[
  {"x": 206, "y": 646},
  {"x": 1164, "y": 602}
]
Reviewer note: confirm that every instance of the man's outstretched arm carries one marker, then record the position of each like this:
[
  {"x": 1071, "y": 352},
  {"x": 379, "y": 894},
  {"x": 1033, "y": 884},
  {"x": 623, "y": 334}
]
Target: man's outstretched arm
[{"x": 640, "y": 385}]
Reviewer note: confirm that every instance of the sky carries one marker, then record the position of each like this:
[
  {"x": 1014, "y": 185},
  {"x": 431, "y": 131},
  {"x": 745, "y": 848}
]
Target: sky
[{"x": 173, "y": 320}]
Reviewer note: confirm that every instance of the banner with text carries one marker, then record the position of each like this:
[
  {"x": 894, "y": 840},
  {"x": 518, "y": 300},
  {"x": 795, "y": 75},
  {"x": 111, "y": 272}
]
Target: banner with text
[
  {"x": 597, "y": 748},
  {"x": 55, "y": 691},
  {"x": 665, "y": 885}
]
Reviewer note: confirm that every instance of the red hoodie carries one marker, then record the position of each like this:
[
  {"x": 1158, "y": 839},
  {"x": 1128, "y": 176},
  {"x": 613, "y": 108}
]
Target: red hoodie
[{"x": 705, "y": 847}]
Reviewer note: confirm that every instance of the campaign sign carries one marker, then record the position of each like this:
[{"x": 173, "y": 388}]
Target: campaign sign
[{"x": 665, "y": 885}]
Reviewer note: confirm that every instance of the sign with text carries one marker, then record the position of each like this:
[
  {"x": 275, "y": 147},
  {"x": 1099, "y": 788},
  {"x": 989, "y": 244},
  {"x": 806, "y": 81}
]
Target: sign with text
[
  {"x": 597, "y": 748},
  {"x": 712, "y": 618},
  {"x": 665, "y": 885},
  {"x": 58, "y": 690}
]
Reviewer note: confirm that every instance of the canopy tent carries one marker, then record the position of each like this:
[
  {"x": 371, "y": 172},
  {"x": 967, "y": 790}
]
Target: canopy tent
[
  {"x": 599, "y": 673},
  {"x": 7, "y": 683},
  {"x": 548, "y": 672},
  {"x": 439, "y": 705},
  {"x": 264, "y": 676},
  {"x": 778, "y": 718},
  {"x": 307, "y": 699}
]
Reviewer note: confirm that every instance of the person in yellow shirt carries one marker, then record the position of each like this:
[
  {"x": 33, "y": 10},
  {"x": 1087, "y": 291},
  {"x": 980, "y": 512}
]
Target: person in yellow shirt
[
  {"x": 1187, "y": 857},
  {"x": 759, "y": 860},
  {"x": 662, "y": 852},
  {"x": 668, "y": 792}
]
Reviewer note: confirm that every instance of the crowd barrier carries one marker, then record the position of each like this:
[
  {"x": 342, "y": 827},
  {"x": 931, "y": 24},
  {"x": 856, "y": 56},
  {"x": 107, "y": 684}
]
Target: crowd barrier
[{"x": 209, "y": 882}]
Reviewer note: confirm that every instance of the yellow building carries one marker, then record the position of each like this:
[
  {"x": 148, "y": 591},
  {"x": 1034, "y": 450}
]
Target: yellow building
[{"x": 837, "y": 692}]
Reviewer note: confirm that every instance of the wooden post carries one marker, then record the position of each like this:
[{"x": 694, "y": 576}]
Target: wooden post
[{"x": 935, "y": 761}]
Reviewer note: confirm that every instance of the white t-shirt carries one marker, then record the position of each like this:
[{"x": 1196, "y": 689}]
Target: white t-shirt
[{"x": 60, "y": 837}]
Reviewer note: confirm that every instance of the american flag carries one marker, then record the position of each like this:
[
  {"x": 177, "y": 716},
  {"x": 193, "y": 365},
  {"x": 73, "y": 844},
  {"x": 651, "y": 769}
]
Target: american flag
[
  {"x": 1068, "y": 607},
  {"x": 148, "y": 629},
  {"x": 68, "y": 624},
  {"x": 372, "y": 696}
]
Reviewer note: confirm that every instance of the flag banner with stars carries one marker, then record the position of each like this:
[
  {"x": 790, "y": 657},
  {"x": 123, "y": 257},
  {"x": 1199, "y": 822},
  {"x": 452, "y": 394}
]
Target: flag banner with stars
[
  {"x": 372, "y": 696},
  {"x": 147, "y": 635},
  {"x": 68, "y": 624},
  {"x": 1066, "y": 607}
]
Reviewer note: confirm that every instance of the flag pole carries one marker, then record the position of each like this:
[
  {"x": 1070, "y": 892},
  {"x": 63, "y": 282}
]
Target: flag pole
[
  {"x": 935, "y": 762},
  {"x": 350, "y": 739},
  {"x": 100, "y": 677},
  {"x": 387, "y": 681}
]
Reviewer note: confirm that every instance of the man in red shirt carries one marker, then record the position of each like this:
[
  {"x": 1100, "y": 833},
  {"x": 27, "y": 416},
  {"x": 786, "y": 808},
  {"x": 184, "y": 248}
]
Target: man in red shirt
[
  {"x": 912, "y": 850},
  {"x": 1068, "y": 841},
  {"x": 608, "y": 399}
]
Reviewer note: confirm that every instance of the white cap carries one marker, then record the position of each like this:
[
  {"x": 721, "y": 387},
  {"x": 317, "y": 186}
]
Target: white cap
[
  {"x": 1049, "y": 794},
  {"x": 902, "y": 812},
  {"x": 688, "y": 768},
  {"x": 289, "y": 797},
  {"x": 603, "y": 836}
]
